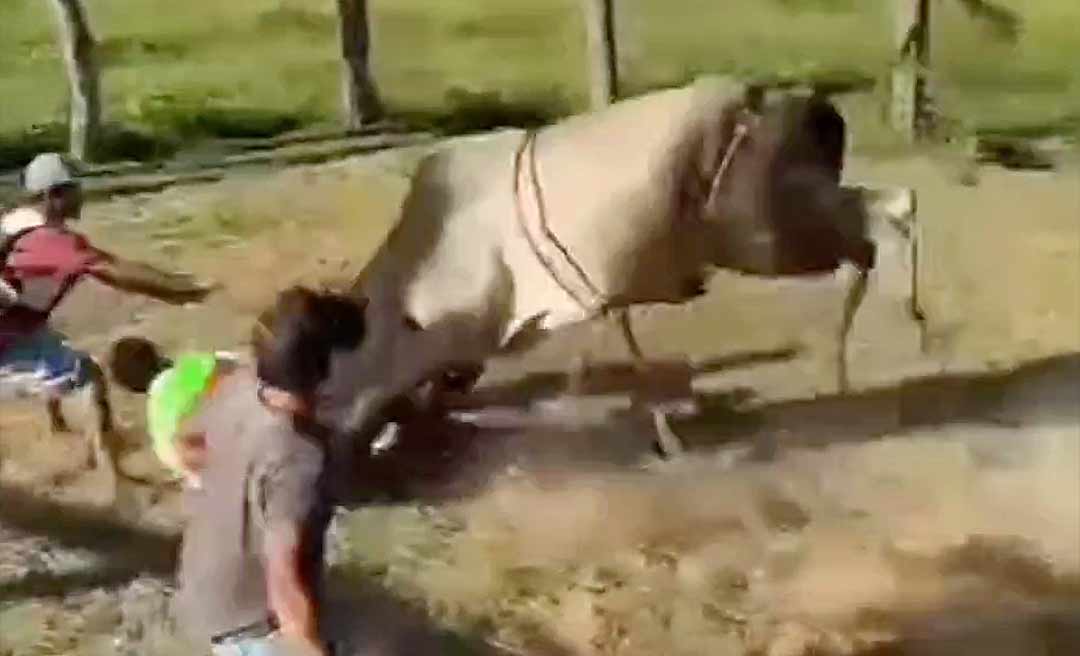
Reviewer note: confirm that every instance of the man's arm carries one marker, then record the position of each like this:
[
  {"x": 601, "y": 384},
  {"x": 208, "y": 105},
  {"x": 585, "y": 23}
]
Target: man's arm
[
  {"x": 290, "y": 599},
  {"x": 144, "y": 279},
  {"x": 289, "y": 497}
]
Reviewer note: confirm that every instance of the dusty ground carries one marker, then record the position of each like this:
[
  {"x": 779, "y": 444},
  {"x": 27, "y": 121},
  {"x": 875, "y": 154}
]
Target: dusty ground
[{"x": 871, "y": 521}]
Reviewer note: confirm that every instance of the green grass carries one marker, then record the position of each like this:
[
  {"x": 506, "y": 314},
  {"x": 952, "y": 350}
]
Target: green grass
[{"x": 182, "y": 72}]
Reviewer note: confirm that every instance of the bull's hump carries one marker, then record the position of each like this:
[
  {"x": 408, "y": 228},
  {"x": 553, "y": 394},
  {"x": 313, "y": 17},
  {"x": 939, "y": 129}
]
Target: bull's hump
[{"x": 626, "y": 124}]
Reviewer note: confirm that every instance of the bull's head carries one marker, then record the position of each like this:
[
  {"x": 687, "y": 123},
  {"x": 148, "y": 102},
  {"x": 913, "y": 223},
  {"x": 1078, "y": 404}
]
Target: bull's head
[
  {"x": 777, "y": 207},
  {"x": 775, "y": 203},
  {"x": 363, "y": 381}
]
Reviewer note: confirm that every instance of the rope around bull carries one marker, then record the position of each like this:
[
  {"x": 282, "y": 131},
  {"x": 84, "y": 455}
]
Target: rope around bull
[
  {"x": 528, "y": 143},
  {"x": 600, "y": 301},
  {"x": 669, "y": 442},
  {"x": 600, "y": 304}
]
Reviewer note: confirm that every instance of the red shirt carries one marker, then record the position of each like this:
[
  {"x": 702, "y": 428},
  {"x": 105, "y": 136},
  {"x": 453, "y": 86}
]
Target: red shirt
[{"x": 44, "y": 265}]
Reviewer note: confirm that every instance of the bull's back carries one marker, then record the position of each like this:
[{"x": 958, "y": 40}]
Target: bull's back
[
  {"x": 610, "y": 184},
  {"x": 439, "y": 259}
]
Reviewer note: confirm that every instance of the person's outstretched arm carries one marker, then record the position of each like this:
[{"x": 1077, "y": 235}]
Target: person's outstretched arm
[{"x": 140, "y": 278}]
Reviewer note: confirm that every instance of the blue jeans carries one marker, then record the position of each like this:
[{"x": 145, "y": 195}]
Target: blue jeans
[
  {"x": 270, "y": 645},
  {"x": 41, "y": 365}
]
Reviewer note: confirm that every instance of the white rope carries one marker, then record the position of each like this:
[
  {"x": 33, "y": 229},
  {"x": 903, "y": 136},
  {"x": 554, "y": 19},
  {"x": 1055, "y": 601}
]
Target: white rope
[
  {"x": 740, "y": 133},
  {"x": 529, "y": 143}
]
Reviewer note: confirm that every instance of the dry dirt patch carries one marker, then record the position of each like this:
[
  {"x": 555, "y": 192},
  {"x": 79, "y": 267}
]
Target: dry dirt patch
[{"x": 851, "y": 546}]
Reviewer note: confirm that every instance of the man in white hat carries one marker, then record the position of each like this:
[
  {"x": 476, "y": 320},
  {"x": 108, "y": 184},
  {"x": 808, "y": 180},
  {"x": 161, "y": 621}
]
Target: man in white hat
[
  {"x": 35, "y": 178},
  {"x": 41, "y": 260}
]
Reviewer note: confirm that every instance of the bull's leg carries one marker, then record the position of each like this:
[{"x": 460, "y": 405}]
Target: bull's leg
[
  {"x": 668, "y": 443},
  {"x": 915, "y": 308},
  {"x": 577, "y": 373},
  {"x": 852, "y": 301}
]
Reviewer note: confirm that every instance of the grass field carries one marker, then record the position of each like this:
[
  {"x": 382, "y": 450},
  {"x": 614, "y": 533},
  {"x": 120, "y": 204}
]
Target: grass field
[{"x": 178, "y": 73}]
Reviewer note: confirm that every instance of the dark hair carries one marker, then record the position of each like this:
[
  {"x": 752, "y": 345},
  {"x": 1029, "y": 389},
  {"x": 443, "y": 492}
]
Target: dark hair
[
  {"x": 134, "y": 362},
  {"x": 293, "y": 340}
]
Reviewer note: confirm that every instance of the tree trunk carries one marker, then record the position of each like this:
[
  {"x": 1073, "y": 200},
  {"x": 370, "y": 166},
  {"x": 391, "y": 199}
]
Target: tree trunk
[
  {"x": 602, "y": 52},
  {"x": 361, "y": 98},
  {"x": 909, "y": 102},
  {"x": 77, "y": 44}
]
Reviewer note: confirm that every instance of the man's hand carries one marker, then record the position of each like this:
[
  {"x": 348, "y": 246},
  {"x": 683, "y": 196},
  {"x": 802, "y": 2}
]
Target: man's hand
[{"x": 196, "y": 291}]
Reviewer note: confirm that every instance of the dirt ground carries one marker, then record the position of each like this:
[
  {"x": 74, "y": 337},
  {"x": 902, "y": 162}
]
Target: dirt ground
[{"x": 999, "y": 281}]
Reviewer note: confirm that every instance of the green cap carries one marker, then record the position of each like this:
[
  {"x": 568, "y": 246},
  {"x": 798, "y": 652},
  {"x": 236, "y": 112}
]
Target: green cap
[{"x": 173, "y": 395}]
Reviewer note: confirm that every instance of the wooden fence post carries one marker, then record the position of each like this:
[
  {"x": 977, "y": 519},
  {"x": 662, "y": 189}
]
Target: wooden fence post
[
  {"x": 602, "y": 52},
  {"x": 361, "y": 102},
  {"x": 77, "y": 45},
  {"x": 909, "y": 99}
]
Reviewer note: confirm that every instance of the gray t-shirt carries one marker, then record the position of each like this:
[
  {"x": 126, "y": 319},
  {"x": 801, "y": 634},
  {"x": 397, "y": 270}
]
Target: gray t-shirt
[{"x": 260, "y": 470}]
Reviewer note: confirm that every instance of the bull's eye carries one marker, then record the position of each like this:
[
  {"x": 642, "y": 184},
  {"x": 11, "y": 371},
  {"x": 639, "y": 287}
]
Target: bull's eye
[{"x": 411, "y": 323}]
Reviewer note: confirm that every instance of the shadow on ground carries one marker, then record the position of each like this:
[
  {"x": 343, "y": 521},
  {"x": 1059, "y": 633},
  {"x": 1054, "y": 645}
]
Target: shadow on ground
[
  {"x": 124, "y": 551},
  {"x": 1046, "y": 390},
  {"x": 1000, "y": 632},
  {"x": 437, "y": 459},
  {"x": 366, "y": 619}
]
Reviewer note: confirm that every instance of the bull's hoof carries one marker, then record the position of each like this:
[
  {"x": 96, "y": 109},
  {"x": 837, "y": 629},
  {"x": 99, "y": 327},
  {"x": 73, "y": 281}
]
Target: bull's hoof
[{"x": 658, "y": 451}]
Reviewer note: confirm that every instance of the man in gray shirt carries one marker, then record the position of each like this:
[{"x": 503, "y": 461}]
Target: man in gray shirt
[{"x": 252, "y": 554}]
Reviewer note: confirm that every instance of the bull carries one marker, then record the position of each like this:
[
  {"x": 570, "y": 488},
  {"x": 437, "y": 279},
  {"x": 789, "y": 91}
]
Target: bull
[{"x": 507, "y": 237}]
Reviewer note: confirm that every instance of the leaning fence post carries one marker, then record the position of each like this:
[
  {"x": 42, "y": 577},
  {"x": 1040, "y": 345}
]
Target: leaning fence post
[
  {"x": 909, "y": 98},
  {"x": 360, "y": 96},
  {"x": 77, "y": 45},
  {"x": 602, "y": 52}
]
